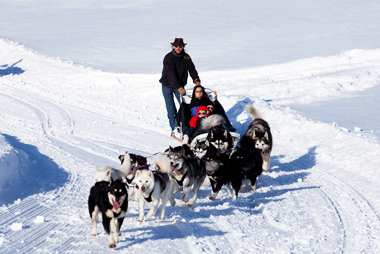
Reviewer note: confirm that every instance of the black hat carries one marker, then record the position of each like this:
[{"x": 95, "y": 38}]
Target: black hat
[{"x": 178, "y": 42}]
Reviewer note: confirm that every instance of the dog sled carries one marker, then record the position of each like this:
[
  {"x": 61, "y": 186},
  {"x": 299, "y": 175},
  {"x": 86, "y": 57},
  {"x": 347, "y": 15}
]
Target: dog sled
[{"x": 184, "y": 116}]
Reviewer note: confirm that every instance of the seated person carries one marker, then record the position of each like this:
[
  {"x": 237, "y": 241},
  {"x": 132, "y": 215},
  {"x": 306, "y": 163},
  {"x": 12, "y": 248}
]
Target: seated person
[
  {"x": 198, "y": 98},
  {"x": 195, "y": 122}
]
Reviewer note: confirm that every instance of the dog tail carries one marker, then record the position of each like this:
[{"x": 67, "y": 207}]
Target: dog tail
[
  {"x": 212, "y": 121},
  {"x": 126, "y": 164},
  {"x": 162, "y": 163},
  {"x": 251, "y": 110}
]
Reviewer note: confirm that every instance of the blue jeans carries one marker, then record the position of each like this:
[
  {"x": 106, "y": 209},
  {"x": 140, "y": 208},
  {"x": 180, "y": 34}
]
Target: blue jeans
[{"x": 167, "y": 92}]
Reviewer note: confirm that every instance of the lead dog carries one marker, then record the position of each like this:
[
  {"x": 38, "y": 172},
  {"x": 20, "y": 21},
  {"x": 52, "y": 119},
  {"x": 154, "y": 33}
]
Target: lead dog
[
  {"x": 109, "y": 199},
  {"x": 186, "y": 172},
  {"x": 259, "y": 131},
  {"x": 155, "y": 186}
]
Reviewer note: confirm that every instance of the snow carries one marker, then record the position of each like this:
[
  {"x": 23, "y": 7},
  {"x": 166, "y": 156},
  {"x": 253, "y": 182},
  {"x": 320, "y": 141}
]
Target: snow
[{"x": 79, "y": 86}]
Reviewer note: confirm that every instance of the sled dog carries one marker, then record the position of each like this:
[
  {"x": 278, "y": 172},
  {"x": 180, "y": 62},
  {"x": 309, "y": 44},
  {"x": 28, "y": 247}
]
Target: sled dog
[
  {"x": 136, "y": 162},
  {"x": 109, "y": 199},
  {"x": 247, "y": 158},
  {"x": 218, "y": 136},
  {"x": 259, "y": 131},
  {"x": 116, "y": 173},
  {"x": 221, "y": 170},
  {"x": 186, "y": 172},
  {"x": 155, "y": 186}
]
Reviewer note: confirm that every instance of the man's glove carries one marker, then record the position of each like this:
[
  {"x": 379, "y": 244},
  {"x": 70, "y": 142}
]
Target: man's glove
[
  {"x": 182, "y": 91},
  {"x": 197, "y": 82}
]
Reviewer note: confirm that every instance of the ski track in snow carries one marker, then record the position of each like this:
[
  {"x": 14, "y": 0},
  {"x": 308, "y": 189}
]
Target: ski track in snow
[{"x": 299, "y": 206}]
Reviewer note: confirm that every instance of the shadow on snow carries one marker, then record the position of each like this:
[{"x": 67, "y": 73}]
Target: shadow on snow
[
  {"x": 36, "y": 173},
  {"x": 10, "y": 69}
]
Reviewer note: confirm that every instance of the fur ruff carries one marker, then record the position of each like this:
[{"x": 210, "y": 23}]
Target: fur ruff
[{"x": 212, "y": 121}]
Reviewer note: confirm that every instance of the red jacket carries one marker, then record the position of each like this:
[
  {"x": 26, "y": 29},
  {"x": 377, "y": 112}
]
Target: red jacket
[{"x": 194, "y": 119}]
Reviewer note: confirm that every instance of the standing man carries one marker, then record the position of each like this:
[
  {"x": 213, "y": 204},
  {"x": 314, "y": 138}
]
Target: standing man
[{"x": 177, "y": 65}]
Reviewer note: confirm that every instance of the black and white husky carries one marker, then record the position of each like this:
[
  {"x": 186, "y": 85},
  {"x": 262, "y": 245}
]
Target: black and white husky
[
  {"x": 186, "y": 172},
  {"x": 218, "y": 136},
  {"x": 154, "y": 186},
  {"x": 247, "y": 158},
  {"x": 221, "y": 170},
  {"x": 259, "y": 131},
  {"x": 109, "y": 199}
]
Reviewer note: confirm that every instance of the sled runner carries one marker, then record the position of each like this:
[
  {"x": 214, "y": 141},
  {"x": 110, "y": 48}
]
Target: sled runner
[{"x": 184, "y": 116}]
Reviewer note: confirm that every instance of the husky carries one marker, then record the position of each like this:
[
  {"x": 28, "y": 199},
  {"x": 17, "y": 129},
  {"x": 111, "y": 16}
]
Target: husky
[
  {"x": 221, "y": 170},
  {"x": 218, "y": 136},
  {"x": 200, "y": 149},
  {"x": 155, "y": 186},
  {"x": 247, "y": 158},
  {"x": 116, "y": 173},
  {"x": 109, "y": 199},
  {"x": 102, "y": 175},
  {"x": 136, "y": 162},
  {"x": 186, "y": 172},
  {"x": 259, "y": 131}
]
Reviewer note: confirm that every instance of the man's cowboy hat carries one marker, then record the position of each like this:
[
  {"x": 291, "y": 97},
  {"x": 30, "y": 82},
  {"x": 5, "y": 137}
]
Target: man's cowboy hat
[{"x": 178, "y": 42}]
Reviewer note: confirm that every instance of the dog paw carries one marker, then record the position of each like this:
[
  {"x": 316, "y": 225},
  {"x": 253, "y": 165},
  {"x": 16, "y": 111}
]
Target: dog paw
[
  {"x": 112, "y": 245},
  {"x": 140, "y": 220},
  {"x": 93, "y": 234},
  {"x": 190, "y": 205},
  {"x": 212, "y": 198}
]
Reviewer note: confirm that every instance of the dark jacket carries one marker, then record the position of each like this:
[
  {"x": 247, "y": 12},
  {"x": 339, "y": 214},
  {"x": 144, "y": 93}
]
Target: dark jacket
[{"x": 176, "y": 69}]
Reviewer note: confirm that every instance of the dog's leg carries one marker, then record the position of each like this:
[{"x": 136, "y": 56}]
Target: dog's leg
[
  {"x": 185, "y": 196},
  {"x": 197, "y": 185},
  {"x": 142, "y": 204},
  {"x": 137, "y": 196},
  {"x": 266, "y": 161},
  {"x": 115, "y": 231},
  {"x": 153, "y": 209},
  {"x": 95, "y": 219},
  {"x": 107, "y": 228},
  {"x": 229, "y": 189},
  {"x": 132, "y": 187},
  {"x": 253, "y": 183},
  {"x": 119, "y": 223}
]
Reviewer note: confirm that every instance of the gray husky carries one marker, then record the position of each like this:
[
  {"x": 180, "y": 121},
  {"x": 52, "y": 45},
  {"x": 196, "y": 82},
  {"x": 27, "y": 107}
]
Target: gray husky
[
  {"x": 259, "y": 131},
  {"x": 186, "y": 172}
]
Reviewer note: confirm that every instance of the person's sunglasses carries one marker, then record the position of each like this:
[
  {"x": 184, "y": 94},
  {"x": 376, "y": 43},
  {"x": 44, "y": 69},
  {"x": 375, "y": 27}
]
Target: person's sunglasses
[
  {"x": 198, "y": 91},
  {"x": 176, "y": 46},
  {"x": 210, "y": 108},
  {"x": 202, "y": 114}
]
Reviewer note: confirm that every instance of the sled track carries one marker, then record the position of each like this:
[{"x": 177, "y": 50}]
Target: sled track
[{"x": 360, "y": 222}]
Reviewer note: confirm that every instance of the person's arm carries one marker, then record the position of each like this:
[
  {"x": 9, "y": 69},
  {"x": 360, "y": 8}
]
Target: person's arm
[{"x": 193, "y": 72}]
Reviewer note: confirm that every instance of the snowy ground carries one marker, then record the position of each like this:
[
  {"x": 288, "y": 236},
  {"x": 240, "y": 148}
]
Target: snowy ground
[{"x": 59, "y": 119}]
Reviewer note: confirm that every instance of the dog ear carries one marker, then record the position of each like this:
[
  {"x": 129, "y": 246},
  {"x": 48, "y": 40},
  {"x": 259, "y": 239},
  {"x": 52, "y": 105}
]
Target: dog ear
[
  {"x": 138, "y": 172},
  {"x": 108, "y": 172},
  {"x": 121, "y": 158},
  {"x": 225, "y": 134},
  {"x": 266, "y": 135},
  {"x": 207, "y": 143},
  {"x": 150, "y": 174}
]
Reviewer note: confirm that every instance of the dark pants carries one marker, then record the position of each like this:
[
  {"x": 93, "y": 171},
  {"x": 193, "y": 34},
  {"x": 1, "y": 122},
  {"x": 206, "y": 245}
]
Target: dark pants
[{"x": 170, "y": 105}]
